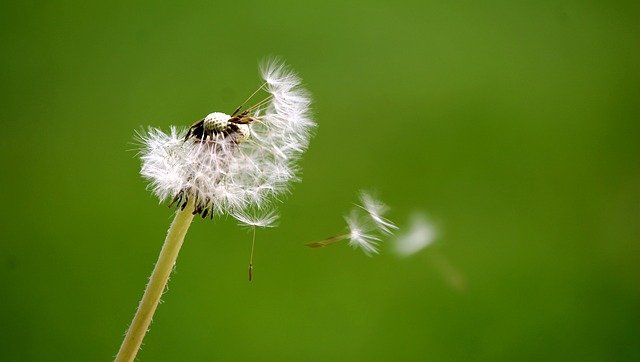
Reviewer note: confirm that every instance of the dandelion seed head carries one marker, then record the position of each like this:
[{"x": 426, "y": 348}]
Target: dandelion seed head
[{"x": 233, "y": 167}]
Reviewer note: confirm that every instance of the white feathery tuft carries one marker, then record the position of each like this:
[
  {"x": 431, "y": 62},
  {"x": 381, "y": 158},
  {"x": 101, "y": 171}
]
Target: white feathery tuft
[
  {"x": 376, "y": 210},
  {"x": 420, "y": 234},
  {"x": 266, "y": 219},
  {"x": 360, "y": 233}
]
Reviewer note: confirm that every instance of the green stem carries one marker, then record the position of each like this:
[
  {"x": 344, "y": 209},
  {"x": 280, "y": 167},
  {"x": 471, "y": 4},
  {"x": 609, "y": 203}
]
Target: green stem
[{"x": 157, "y": 283}]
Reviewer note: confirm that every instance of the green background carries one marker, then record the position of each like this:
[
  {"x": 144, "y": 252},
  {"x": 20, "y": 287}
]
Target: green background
[{"x": 514, "y": 125}]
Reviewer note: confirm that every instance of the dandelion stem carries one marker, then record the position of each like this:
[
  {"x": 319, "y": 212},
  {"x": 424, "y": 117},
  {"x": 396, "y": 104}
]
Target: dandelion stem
[{"x": 157, "y": 283}]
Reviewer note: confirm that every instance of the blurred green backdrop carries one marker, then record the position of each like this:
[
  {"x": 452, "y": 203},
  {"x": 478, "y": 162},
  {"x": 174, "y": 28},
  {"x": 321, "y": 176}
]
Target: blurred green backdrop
[{"x": 514, "y": 125}]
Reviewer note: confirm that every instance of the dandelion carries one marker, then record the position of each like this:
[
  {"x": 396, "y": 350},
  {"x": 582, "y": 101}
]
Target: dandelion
[
  {"x": 365, "y": 225},
  {"x": 224, "y": 164}
]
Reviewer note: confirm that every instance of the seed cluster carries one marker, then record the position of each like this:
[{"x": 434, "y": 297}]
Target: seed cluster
[{"x": 233, "y": 164}]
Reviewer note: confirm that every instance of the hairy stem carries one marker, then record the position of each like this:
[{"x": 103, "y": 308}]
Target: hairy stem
[{"x": 157, "y": 284}]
